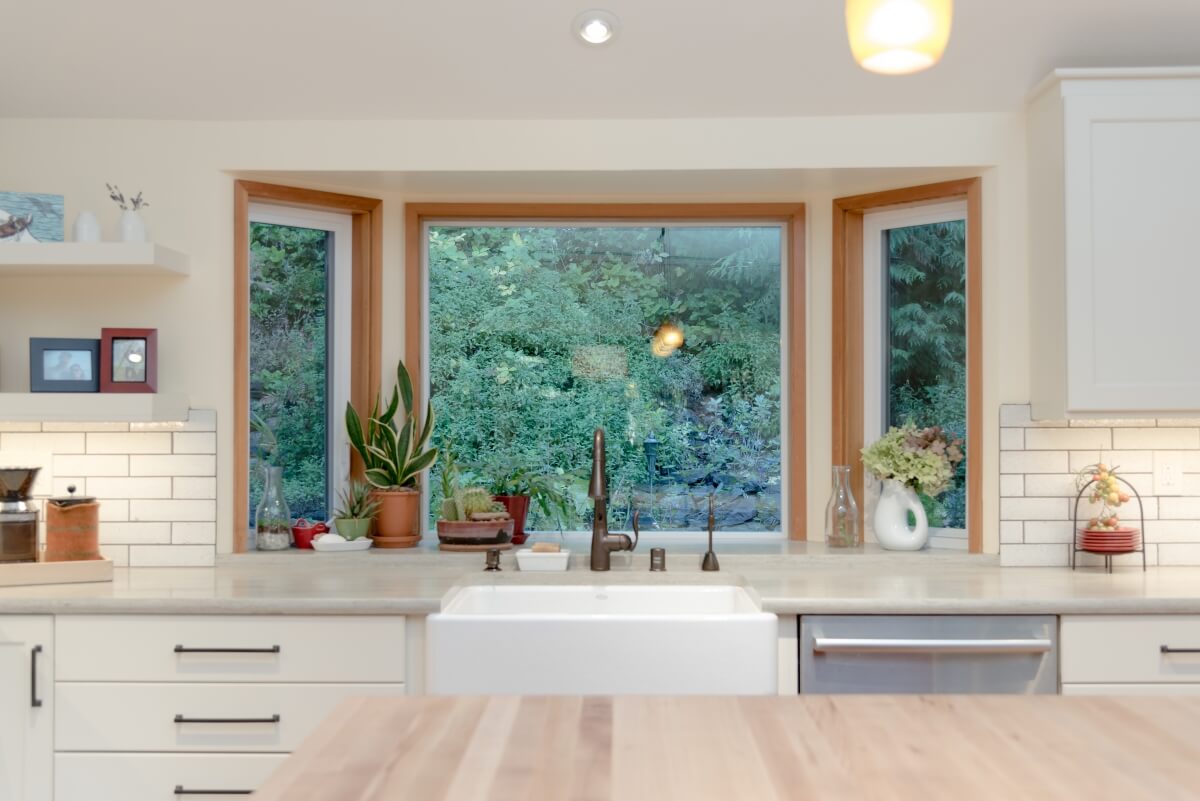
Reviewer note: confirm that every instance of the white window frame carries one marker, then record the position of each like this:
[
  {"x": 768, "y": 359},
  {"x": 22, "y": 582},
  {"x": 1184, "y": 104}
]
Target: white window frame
[
  {"x": 875, "y": 225},
  {"x": 339, "y": 315},
  {"x": 649, "y": 538}
]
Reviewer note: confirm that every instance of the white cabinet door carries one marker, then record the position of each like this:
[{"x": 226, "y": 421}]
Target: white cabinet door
[
  {"x": 1114, "y": 268},
  {"x": 26, "y": 708},
  {"x": 1133, "y": 265}
]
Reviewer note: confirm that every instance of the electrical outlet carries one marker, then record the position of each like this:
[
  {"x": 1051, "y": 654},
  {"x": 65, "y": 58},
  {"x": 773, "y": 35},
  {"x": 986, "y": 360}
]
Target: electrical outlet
[{"x": 1168, "y": 473}]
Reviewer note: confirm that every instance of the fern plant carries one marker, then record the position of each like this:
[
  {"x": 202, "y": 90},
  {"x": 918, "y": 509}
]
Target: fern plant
[{"x": 394, "y": 452}]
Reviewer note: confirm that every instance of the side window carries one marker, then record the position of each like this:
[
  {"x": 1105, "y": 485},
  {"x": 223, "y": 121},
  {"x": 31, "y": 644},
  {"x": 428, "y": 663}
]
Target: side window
[{"x": 915, "y": 337}]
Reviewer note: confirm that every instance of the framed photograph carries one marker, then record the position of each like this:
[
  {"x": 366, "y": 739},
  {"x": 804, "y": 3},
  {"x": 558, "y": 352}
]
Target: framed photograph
[
  {"x": 30, "y": 217},
  {"x": 129, "y": 360},
  {"x": 64, "y": 365}
]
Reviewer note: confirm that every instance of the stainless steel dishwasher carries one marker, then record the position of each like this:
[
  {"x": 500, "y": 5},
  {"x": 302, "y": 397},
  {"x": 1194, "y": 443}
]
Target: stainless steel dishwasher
[{"x": 1015, "y": 654}]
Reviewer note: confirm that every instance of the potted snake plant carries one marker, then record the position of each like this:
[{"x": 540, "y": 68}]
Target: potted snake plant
[{"x": 394, "y": 451}]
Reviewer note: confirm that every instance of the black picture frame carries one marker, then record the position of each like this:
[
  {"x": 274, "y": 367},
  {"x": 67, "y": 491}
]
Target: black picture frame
[{"x": 39, "y": 381}]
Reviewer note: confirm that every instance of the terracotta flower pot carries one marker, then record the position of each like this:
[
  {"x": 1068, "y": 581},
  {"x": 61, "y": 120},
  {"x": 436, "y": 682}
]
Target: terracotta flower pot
[
  {"x": 518, "y": 510},
  {"x": 396, "y": 522},
  {"x": 474, "y": 532}
]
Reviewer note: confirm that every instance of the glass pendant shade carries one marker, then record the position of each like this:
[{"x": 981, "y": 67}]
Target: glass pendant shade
[{"x": 898, "y": 37}]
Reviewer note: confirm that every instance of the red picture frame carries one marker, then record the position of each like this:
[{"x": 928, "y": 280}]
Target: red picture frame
[{"x": 123, "y": 373}]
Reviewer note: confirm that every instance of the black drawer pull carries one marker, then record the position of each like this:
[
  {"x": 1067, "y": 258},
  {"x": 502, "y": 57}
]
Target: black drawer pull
[
  {"x": 182, "y": 719},
  {"x": 1166, "y": 649},
  {"x": 181, "y": 790},
  {"x": 274, "y": 649},
  {"x": 33, "y": 660}
]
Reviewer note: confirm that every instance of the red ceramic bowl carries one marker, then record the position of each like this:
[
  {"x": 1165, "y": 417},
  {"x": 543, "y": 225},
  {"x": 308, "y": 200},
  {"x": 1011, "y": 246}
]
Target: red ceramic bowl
[{"x": 303, "y": 535}]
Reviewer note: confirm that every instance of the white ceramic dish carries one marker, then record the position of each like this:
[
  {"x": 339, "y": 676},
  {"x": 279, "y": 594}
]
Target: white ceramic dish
[
  {"x": 532, "y": 562},
  {"x": 335, "y": 542}
]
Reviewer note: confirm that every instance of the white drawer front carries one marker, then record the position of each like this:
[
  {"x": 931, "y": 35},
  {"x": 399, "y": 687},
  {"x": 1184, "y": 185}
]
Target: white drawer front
[
  {"x": 1130, "y": 648},
  {"x": 215, "y": 717},
  {"x": 205, "y": 648},
  {"x": 154, "y": 777},
  {"x": 1131, "y": 689}
]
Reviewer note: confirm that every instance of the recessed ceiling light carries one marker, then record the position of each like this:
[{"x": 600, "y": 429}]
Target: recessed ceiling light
[{"x": 595, "y": 27}]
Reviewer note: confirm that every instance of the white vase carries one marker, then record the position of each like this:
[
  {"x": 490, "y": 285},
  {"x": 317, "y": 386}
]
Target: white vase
[
  {"x": 132, "y": 227},
  {"x": 891, "y": 526},
  {"x": 86, "y": 228}
]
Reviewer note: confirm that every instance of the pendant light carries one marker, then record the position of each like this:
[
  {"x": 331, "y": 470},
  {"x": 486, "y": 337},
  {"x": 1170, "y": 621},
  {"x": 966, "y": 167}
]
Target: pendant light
[
  {"x": 898, "y": 37},
  {"x": 668, "y": 337}
]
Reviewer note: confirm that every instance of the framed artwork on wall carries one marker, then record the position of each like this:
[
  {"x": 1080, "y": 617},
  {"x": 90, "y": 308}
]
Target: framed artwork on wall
[
  {"x": 64, "y": 365},
  {"x": 129, "y": 360}
]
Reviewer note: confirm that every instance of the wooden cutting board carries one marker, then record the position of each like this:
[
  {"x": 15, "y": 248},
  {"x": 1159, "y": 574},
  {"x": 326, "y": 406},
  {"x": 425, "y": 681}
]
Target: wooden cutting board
[
  {"x": 796, "y": 748},
  {"x": 17, "y": 574}
]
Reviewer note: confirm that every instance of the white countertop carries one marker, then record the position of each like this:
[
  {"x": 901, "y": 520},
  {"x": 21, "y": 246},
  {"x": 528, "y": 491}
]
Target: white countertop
[{"x": 792, "y": 578}]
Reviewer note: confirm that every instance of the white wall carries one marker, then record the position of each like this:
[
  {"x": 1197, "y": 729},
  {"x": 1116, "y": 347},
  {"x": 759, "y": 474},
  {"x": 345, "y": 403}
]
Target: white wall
[{"x": 186, "y": 171}]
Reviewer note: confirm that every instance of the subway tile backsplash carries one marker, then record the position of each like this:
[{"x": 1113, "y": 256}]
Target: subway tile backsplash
[
  {"x": 156, "y": 482},
  {"x": 1038, "y": 462}
]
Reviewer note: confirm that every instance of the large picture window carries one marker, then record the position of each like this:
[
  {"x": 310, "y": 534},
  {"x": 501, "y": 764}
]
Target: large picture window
[{"x": 668, "y": 335}]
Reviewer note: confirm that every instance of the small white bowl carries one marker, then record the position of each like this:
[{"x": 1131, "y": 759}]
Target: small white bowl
[
  {"x": 532, "y": 562},
  {"x": 335, "y": 542}
]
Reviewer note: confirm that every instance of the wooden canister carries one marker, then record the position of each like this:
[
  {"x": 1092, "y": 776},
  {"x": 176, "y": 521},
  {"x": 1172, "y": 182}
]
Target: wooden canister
[{"x": 72, "y": 529}]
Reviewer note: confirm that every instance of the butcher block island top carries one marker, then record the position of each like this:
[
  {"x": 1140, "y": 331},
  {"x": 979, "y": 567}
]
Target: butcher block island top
[{"x": 809, "y": 748}]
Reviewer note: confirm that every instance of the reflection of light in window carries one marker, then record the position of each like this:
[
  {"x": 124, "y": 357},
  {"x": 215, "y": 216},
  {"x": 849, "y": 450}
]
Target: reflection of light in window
[{"x": 136, "y": 358}]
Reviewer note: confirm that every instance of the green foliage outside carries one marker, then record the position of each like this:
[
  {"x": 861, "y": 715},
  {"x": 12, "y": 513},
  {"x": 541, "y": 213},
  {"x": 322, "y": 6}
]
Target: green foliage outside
[
  {"x": 928, "y": 343},
  {"x": 287, "y": 361},
  {"x": 539, "y": 335}
]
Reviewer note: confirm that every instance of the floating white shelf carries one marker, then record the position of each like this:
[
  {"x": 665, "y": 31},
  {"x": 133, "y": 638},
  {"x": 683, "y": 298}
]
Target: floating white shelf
[
  {"x": 92, "y": 407},
  {"x": 91, "y": 258}
]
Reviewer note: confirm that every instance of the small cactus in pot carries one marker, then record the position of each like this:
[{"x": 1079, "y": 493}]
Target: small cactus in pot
[
  {"x": 355, "y": 510},
  {"x": 469, "y": 515}
]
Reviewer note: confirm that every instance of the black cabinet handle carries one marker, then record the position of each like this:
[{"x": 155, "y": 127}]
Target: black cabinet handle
[
  {"x": 274, "y": 649},
  {"x": 33, "y": 660},
  {"x": 181, "y": 790},
  {"x": 182, "y": 719},
  {"x": 1166, "y": 649}
]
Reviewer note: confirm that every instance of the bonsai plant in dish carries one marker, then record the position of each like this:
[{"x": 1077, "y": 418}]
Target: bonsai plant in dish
[
  {"x": 469, "y": 515},
  {"x": 907, "y": 459},
  {"x": 356, "y": 511},
  {"x": 394, "y": 453},
  {"x": 516, "y": 488}
]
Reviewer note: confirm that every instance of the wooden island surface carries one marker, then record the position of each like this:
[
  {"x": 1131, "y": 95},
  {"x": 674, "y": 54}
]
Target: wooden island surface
[{"x": 799, "y": 748}]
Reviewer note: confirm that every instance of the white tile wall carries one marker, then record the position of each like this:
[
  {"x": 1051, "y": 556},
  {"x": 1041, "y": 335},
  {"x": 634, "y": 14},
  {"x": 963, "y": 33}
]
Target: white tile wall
[
  {"x": 1038, "y": 462},
  {"x": 156, "y": 482}
]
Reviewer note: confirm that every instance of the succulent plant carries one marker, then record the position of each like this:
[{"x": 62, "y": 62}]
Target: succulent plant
[
  {"x": 355, "y": 502},
  {"x": 461, "y": 502}
]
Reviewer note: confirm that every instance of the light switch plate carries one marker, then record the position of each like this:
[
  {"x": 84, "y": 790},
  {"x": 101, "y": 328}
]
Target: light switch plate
[{"x": 1168, "y": 473}]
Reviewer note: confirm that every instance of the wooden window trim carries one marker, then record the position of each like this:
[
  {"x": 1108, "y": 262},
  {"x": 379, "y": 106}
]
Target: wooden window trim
[
  {"x": 366, "y": 301},
  {"x": 790, "y": 215},
  {"x": 848, "y": 379}
]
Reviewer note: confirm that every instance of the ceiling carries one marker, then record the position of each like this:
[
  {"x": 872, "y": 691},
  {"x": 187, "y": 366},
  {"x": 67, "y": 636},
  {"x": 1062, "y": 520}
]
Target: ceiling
[{"x": 516, "y": 59}]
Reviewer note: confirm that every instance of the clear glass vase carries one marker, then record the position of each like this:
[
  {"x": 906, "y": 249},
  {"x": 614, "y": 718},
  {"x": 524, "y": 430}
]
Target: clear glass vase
[
  {"x": 272, "y": 518},
  {"x": 843, "y": 527}
]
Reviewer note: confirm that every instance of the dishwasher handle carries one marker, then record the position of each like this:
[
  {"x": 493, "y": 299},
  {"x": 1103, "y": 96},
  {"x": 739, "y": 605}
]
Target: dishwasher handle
[{"x": 874, "y": 645}]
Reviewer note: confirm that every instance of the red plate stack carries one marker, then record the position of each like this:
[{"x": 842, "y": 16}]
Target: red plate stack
[{"x": 1123, "y": 540}]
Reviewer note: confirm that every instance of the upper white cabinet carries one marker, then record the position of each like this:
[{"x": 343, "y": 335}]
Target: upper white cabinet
[
  {"x": 26, "y": 708},
  {"x": 1114, "y": 188}
]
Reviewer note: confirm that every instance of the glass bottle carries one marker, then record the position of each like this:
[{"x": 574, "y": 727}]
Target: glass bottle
[
  {"x": 272, "y": 518},
  {"x": 843, "y": 528}
]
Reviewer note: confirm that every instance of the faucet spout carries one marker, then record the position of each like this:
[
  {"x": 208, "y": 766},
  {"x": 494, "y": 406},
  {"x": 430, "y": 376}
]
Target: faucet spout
[{"x": 598, "y": 486}]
